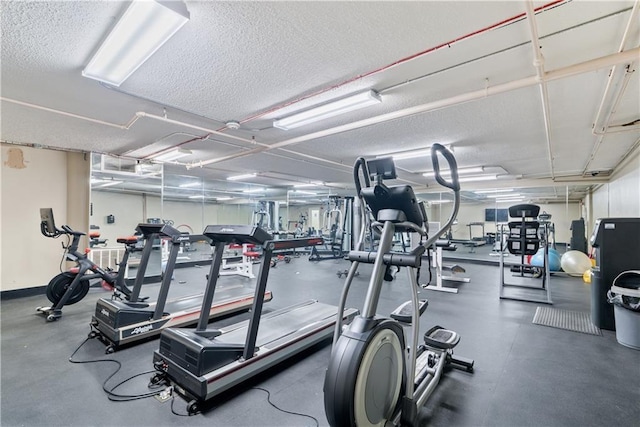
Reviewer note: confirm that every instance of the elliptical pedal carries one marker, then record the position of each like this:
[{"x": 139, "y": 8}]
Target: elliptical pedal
[
  {"x": 404, "y": 312},
  {"x": 438, "y": 337}
]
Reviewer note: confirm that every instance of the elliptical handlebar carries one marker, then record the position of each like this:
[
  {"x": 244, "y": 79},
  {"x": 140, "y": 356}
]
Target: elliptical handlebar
[
  {"x": 454, "y": 185},
  {"x": 453, "y": 167},
  {"x": 360, "y": 164}
]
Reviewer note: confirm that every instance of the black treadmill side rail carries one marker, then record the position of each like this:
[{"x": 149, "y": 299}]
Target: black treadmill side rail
[
  {"x": 211, "y": 286},
  {"x": 166, "y": 278},
  {"x": 237, "y": 234},
  {"x": 256, "y": 311},
  {"x": 142, "y": 267},
  {"x": 301, "y": 242}
]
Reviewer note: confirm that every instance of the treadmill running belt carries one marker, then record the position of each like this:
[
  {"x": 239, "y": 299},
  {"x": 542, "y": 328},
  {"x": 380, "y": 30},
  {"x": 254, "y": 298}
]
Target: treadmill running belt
[{"x": 282, "y": 326}]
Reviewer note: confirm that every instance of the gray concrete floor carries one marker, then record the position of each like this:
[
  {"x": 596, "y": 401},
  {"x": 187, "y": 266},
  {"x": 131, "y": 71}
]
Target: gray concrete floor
[{"x": 525, "y": 374}]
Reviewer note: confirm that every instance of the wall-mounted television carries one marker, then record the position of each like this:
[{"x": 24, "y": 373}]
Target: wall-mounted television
[{"x": 496, "y": 215}]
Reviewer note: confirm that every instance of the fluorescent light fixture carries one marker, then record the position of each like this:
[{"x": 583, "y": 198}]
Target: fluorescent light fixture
[
  {"x": 311, "y": 193},
  {"x": 310, "y": 184},
  {"x": 95, "y": 181},
  {"x": 412, "y": 154},
  {"x": 197, "y": 196},
  {"x": 238, "y": 177},
  {"x": 497, "y": 190},
  {"x": 519, "y": 199},
  {"x": 461, "y": 171},
  {"x": 172, "y": 155},
  {"x": 330, "y": 109},
  {"x": 223, "y": 198},
  {"x": 255, "y": 190},
  {"x": 478, "y": 178},
  {"x": 504, "y": 196},
  {"x": 142, "y": 30},
  {"x": 439, "y": 202},
  {"x": 110, "y": 183},
  {"x": 190, "y": 184}
]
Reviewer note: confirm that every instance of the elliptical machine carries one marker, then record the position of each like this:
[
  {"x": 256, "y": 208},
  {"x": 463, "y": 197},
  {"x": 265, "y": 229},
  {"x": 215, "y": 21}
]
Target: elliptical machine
[
  {"x": 377, "y": 375},
  {"x": 69, "y": 287}
]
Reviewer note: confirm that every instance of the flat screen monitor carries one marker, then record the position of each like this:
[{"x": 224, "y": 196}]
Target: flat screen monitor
[
  {"x": 496, "y": 215},
  {"x": 47, "y": 224}
]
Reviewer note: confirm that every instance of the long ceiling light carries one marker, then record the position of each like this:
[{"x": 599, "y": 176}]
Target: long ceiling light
[
  {"x": 142, "y": 30},
  {"x": 497, "y": 190},
  {"x": 172, "y": 155},
  {"x": 255, "y": 190},
  {"x": 331, "y": 109},
  {"x": 239, "y": 177},
  {"x": 504, "y": 196},
  {"x": 461, "y": 171},
  {"x": 518, "y": 199},
  {"x": 191, "y": 184},
  {"x": 412, "y": 154},
  {"x": 478, "y": 178}
]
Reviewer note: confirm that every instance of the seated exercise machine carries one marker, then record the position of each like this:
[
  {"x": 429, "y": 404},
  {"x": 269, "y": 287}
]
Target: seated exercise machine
[
  {"x": 377, "y": 374},
  {"x": 338, "y": 238},
  {"x": 203, "y": 363},
  {"x": 524, "y": 238},
  {"x": 69, "y": 287},
  {"x": 440, "y": 267},
  {"x": 117, "y": 323},
  {"x": 243, "y": 268}
]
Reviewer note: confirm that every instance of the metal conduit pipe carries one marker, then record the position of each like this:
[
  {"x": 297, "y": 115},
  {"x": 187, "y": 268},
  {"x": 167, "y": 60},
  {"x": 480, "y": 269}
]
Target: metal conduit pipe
[
  {"x": 569, "y": 71},
  {"x": 126, "y": 126},
  {"x": 605, "y": 95},
  {"x": 623, "y": 42},
  {"x": 538, "y": 62}
]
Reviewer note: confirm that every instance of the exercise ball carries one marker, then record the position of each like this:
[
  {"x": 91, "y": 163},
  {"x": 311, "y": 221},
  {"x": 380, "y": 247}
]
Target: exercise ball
[
  {"x": 554, "y": 260},
  {"x": 586, "y": 277},
  {"x": 575, "y": 263}
]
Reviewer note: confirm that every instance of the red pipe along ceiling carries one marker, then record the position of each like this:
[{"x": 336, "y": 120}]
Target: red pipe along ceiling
[{"x": 401, "y": 61}]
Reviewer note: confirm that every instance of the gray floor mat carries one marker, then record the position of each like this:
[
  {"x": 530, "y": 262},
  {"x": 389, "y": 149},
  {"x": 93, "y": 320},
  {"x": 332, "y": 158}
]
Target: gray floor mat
[{"x": 564, "y": 319}]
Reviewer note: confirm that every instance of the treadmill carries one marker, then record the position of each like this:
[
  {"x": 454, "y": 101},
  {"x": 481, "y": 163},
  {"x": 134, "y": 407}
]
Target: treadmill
[
  {"x": 203, "y": 363},
  {"x": 117, "y": 323}
]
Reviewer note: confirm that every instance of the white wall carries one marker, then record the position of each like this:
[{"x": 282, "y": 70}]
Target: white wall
[
  {"x": 621, "y": 196},
  {"x": 31, "y": 179},
  {"x": 126, "y": 208}
]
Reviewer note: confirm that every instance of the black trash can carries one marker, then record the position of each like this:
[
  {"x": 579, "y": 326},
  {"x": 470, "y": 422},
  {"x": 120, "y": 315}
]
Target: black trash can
[{"x": 601, "y": 311}]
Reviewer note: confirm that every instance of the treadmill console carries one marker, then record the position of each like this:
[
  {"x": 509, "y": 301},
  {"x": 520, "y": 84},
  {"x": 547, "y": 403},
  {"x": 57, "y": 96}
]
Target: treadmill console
[
  {"x": 237, "y": 234},
  {"x": 162, "y": 229}
]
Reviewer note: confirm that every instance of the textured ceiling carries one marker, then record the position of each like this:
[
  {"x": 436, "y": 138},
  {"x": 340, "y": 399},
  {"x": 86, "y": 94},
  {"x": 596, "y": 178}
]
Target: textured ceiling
[{"x": 253, "y": 62}]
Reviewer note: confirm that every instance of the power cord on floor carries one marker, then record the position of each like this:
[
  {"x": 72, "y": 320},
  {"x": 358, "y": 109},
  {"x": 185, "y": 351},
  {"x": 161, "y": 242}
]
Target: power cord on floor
[
  {"x": 173, "y": 411},
  {"x": 284, "y": 410},
  {"x": 110, "y": 392}
]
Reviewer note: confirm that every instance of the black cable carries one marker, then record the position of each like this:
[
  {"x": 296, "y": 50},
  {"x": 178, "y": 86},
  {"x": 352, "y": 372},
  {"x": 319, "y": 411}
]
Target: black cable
[
  {"x": 110, "y": 394},
  {"x": 173, "y": 399},
  {"x": 64, "y": 255},
  {"x": 284, "y": 410}
]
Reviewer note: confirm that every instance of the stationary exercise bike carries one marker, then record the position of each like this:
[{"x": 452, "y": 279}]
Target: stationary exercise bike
[
  {"x": 69, "y": 287},
  {"x": 378, "y": 375}
]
